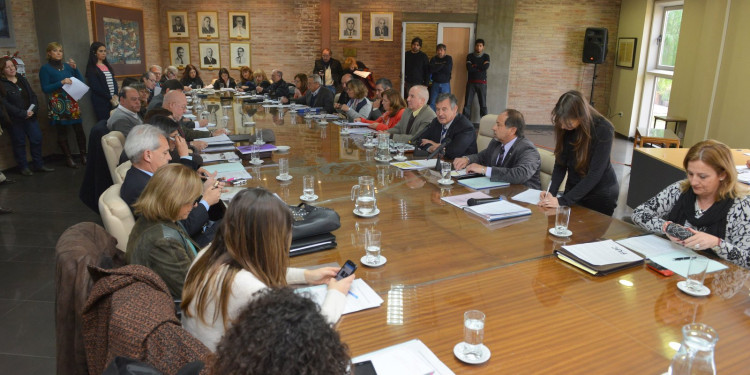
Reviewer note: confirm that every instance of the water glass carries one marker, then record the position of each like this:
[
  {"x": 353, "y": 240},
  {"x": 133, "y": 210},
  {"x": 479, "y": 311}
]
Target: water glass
[
  {"x": 445, "y": 170},
  {"x": 259, "y": 137},
  {"x": 284, "y": 168},
  {"x": 368, "y": 140},
  {"x": 697, "y": 273},
  {"x": 254, "y": 154},
  {"x": 400, "y": 148},
  {"x": 308, "y": 186},
  {"x": 562, "y": 217},
  {"x": 473, "y": 334},
  {"x": 372, "y": 246}
]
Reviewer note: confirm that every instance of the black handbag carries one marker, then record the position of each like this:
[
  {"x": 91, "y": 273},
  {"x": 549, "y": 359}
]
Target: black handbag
[{"x": 312, "y": 221}]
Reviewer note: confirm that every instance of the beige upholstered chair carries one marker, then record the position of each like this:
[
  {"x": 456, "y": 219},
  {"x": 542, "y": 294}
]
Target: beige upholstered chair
[
  {"x": 545, "y": 172},
  {"x": 121, "y": 171},
  {"x": 116, "y": 215},
  {"x": 485, "y": 134},
  {"x": 112, "y": 144}
]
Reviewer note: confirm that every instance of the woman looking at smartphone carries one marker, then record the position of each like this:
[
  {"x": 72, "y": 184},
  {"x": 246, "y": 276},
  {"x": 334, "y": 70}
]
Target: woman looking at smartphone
[
  {"x": 709, "y": 203},
  {"x": 250, "y": 252}
]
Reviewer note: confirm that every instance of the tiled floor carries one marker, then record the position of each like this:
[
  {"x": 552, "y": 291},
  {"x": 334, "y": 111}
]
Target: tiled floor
[{"x": 46, "y": 205}]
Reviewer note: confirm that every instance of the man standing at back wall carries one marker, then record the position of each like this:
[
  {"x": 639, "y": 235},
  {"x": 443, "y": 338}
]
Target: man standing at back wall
[
  {"x": 416, "y": 67},
  {"x": 477, "y": 64},
  {"x": 441, "y": 67}
]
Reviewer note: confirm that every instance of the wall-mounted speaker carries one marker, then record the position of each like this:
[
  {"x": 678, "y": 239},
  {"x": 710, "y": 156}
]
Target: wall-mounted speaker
[{"x": 595, "y": 45}]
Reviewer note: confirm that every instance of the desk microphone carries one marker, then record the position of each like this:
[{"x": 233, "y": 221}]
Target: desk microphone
[
  {"x": 477, "y": 201},
  {"x": 437, "y": 152}
]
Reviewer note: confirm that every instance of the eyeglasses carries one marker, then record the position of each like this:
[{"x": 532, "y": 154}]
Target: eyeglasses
[{"x": 198, "y": 200}]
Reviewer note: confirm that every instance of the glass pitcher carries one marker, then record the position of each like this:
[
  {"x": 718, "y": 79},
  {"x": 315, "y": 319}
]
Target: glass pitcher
[
  {"x": 363, "y": 196},
  {"x": 384, "y": 152},
  {"x": 696, "y": 354}
]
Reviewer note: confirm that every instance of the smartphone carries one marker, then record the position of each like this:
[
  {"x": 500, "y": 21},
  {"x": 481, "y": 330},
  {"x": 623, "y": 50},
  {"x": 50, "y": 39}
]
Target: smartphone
[
  {"x": 658, "y": 268},
  {"x": 364, "y": 368},
  {"x": 678, "y": 231},
  {"x": 346, "y": 270}
]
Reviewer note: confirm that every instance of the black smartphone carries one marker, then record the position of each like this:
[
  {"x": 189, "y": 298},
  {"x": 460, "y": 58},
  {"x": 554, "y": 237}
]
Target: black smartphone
[
  {"x": 364, "y": 368},
  {"x": 678, "y": 231},
  {"x": 347, "y": 269},
  {"x": 658, "y": 268}
]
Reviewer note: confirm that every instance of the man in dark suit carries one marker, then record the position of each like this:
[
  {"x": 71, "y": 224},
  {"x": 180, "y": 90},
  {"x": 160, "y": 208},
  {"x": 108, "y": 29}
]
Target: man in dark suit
[
  {"x": 209, "y": 58},
  {"x": 315, "y": 97},
  {"x": 178, "y": 27},
  {"x": 148, "y": 150},
  {"x": 382, "y": 28},
  {"x": 451, "y": 128},
  {"x": 509, "y": 157},
  {"x": 329, "y": 69}
]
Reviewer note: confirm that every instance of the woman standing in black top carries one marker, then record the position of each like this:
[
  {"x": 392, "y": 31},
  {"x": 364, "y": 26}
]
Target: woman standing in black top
[
  {"x": 102, "y": 81},
  {"x": 583, "y": 142}
]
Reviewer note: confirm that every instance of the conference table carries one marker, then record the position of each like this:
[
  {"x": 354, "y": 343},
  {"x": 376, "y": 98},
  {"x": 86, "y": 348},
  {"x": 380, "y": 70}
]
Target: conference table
[{"x": 543, "y": 316}]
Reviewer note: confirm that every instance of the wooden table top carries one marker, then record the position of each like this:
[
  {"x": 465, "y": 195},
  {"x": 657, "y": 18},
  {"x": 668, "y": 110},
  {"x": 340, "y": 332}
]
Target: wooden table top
[
  {"x": 542, "y": 314},
  {"x": 675, "y": 156}
]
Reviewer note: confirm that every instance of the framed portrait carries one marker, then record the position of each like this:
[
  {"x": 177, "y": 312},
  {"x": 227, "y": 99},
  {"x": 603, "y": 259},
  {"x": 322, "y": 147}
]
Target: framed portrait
[
  {"x": 209, "y": 55},
  {"x": 121, "y": 30},
  {"x": 7, "y": 37},
  {"x": 179, "y": 54},
  {"x": 381, "y": 26},
  {"x": 177, "y": 24},
  {"x": 239, "y": 54},
  {"x": 208, "y": 25},
  {"x": 239, "y": 25},
  {"x": 350, "y": 26},
  {"x": 626, "y": 52}
]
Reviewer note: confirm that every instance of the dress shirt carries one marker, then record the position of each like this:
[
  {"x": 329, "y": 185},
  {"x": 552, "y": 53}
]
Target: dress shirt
[
  {"x": 500, "y": 157},
  {"x": 129, "y": 112}
]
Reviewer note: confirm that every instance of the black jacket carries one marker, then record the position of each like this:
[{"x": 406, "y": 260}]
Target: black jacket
[
  {"x": 277, "y": 89},
  {"x": 324, "y": 99},
  {"x": 18, "y": 97},
  {"x": 336, "y": 70},
  {"x": 100, "y": 97},
  {"x": 462, "y": 135},
  {"x": 218, "y": 82}
]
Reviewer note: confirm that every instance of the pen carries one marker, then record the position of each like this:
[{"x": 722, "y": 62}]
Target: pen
[
  {"x": 547, "y": 192},
  {"x": 354, "y": 295},
  {"x": 684, "y": 258}
]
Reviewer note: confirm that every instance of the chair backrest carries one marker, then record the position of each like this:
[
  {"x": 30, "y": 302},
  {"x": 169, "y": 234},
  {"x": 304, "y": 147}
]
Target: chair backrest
[
  {"x": 336, "y": 97},
  {"x": 116, "y": 215},
  {"x": 112, "y": 144},
  {"x": 121, "y": 171},
  {"x": 545, "y": 171},
  {"x": 485, "y": 134}
]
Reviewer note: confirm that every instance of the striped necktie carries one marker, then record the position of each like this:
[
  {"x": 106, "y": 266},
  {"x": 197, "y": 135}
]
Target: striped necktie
[{"x": 500, "y": 156}]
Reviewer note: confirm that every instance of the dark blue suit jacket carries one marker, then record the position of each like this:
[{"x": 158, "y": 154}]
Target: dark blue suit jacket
[{"x": 462, "y": 135}]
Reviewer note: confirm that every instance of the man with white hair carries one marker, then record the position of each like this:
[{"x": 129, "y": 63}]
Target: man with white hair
[
  {"x": 416, "y": 116},
  {"x": 279, "y": 88},
  {"x": 315, "y": 97}
]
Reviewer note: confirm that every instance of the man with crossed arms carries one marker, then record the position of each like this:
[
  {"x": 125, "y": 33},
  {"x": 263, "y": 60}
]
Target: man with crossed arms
[{"x": 509, "y": 157}]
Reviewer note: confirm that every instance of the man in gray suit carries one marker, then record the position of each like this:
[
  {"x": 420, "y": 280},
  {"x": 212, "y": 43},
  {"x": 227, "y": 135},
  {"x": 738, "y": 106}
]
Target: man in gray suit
[
  {"x": 415, "y": 118},
  {"x": 125, "y": 116},
  {"x": 509, "y": 157},
  {"x": 315, "y": 97}
]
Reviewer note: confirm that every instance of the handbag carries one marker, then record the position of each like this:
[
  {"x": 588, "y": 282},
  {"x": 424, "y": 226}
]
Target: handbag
[{"x": 312, "y": 221}]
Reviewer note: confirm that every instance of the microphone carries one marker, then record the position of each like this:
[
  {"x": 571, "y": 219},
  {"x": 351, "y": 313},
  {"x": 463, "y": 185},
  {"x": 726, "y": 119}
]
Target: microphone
[
  {"x": 437, "y": 151},
  {"x": 476, "y": 201},
  {"x": 415, "y": 139}
]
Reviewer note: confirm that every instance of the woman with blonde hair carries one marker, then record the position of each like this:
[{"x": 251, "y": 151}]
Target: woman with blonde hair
[
  {"x": 261, "y": 80},
  {"x": 157, "y": 240},
  {"x": 250, "y": 252},
  {"x": 710, "y": 204},
  {"x": 358, "y": 105},
  {"x": 393, "y": 104}
]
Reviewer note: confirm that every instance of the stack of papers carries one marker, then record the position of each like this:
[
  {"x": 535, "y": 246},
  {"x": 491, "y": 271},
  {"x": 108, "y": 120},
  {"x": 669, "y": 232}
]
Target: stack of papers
[
  {"x": 355, "y": 123},
  {"x": 461, "y": 201},
  {"x": 408, "y": 358},
  {"x": 743, "y": 174},
  {"x": 361, "y": 130},
  {"x": 479, "y": 183},
  {"x": 528, "y": 196},
  {"x": 228, "y": 171},
  {"x": 221, "y": 157},
  {"x": 217, "y": 143},
  {"x": 244, "y": 150},
  {"x": 664, "y": 252},
  {"x": 599, "y": 258},
  {"x": 415, "y": 164},
  {"x": 360, "y": 297},
  {"x": 499, "y": 210}
]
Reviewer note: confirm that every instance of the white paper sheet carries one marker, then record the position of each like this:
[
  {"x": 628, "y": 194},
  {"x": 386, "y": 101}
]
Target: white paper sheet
[
  {"x": 461, "y": 201},
  {"x": 603, "y": 252},
  {"x": 529, "y": 196},
  {"x": 414, "y": 164},
  {"x": 360, "y": 297},
  {"x": 216, "y": 140},
  {"x": 409, "y": 358},
  {"x": 499, "y": 210},
  {"x": 77, "y": 89},
  {"x": 651, "y": 245},
  {"x": 224, "y": 156},
  {"x": 228, "y": 170}
]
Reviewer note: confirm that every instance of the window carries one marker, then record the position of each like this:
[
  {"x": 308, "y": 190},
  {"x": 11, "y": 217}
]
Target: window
[{"x": 669, "y": 37}]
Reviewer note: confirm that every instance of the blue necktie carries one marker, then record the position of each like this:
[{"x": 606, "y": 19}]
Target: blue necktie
[
  {"x": 442, "y": 134},
  {"x": 500, "y": 156}
]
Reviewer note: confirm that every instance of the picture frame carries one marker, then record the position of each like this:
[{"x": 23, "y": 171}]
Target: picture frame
[
  {"x": 177, "y": 24},
  {"x": 179, "y": 54},
  {"x": 626, "y": 52},
  {"x": 350, "y": 26},
  {"x": 7, "y": 35},
  {"x": 209, "y": 55},
  {"x": 239, "y": 59},
  {"x": 239, "y": 25},
  {"x": 121, "y": 30},
  {"x": 381, "y": 26},
  {"x": 208, "y": 25}
]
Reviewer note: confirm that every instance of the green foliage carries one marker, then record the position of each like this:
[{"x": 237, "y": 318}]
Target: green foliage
[{"x": 670, "y": 37}]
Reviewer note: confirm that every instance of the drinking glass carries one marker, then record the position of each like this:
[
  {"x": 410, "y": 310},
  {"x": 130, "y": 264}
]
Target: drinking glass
[
  {"x": 308, "y": 186},
  {"x": 372, "y": 246},
  {"x": 368, "y": 140},
  {"x": 562, "y": 217},
  {"x": 473, "y": 334},
  {"x": 254, "y": 154},
  {"x": 445, "y": 171},
  {"x": 400, "y": 148},
  {"x": 284, "y": 168},
  {"x": 259, "y": 137},
  {"x": 696, "y": 273}
]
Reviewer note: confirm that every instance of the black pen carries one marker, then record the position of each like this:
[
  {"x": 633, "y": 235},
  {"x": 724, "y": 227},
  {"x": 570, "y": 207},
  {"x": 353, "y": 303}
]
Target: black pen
[{"x": 684, "y": 258}]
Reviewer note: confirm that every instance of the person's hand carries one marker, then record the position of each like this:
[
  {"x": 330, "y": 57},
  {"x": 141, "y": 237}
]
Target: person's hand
[
  {"x": 212, "y": 190},
  {"x": 747, "y": 163},
  {"x": 320, "y": 275},
  {"x": 72, "y": 63},
  {"x": 219, "y": 132},
  {"x": 186, "y": 89},
  {"x": 29, "y": 114},
  {"x": 199, "y": 145},
  {"x": 203, "y": 172},
  {"x": 700, "y": 240},
  {"x": 476, "y": 168},
  {"x": 433, "y": 145},
  {"x": 258, "y": 89},
  {"x": 547, "y": 200},
  {"x": 342, "y": 285},
  {"x": 66, "y": 81},
  {"x": 460, "y": 163},
  {"x": 181, "y": 145},
  {"x": 344, "y": 107},
  {"x": 284, "y": 100},
  {"x": 372, "y": 126},
  {"x": 203, "y": 122}
]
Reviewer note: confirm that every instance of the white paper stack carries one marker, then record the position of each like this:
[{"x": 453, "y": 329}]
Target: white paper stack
[
  {"x": 361, "y": 296},
  {"x": 408, "y": 358},
  {"x": 499, "y": 210}
]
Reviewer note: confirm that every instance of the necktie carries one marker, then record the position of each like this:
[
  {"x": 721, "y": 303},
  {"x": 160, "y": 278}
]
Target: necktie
[
  {"x": 411, "y": 122},
  {"x": 442, "y": 134},
  {"x": 500, "y": 156},
  {"x": 312, "y": 100}
]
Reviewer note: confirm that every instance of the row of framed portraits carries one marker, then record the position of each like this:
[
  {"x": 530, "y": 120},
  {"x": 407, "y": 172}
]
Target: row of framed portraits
[
  {"x": 179, "y": 55},
  {"x": 208, "y": 25},
  {"x": 381, "y": 26}
]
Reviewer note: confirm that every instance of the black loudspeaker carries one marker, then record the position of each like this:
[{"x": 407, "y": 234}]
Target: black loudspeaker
[{"x": 595, "y": 45}]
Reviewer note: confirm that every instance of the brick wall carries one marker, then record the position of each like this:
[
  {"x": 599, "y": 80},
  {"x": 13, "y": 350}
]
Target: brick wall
[{"x": 546, "y": 54}]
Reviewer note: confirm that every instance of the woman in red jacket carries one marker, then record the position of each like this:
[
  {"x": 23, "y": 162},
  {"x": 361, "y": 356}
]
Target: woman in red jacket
[{"x": 393, "y": 104}]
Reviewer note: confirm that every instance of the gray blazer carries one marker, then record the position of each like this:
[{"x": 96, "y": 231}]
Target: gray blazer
[
  {"x": 122, "y": 122},
  {"x": 423, "y": 119},
  {"x": 520, "y": 166}
]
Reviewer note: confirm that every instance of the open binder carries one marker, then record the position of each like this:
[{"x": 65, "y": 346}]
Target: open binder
[{"x": 569, "y": 257}]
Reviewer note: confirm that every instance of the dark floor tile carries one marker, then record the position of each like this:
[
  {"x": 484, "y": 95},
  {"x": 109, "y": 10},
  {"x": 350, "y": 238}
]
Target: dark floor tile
[
  {"x": 10, "y": 236},
  {"x": 45, "y": 294},
  {"x": 29, "y": 329},
  {"x": 27, "y": 254},
  {"x": 21, "y": 280},
  {"x": 48, "y": 221},
  {"x": 5, "y": 306},
  {"x": 26, "y": 365}
]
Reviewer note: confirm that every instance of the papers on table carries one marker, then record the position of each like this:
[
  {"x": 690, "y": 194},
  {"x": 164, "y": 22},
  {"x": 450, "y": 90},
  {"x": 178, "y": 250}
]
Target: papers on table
[
  {"x": 408, "y": 358},
  {"x": 743, "y": 174},
  {"x": 461, "y": 201},
  {"x": 360, "y": 296},
  {"x": 664, "y": 252},
  {"x": 329, "y": 116},
  {"x": 528, "y": 196},
  {"x": 414, "y": 164},
  {"x": 224, "y": 156},
  {"x": 354, "y": 123},
  {"x": 230, "y": 192},
  {"x": 222, "y": 139},
  {"x": 479, "y": 183},
  {"x": 267, "y": 147},
  {"x": 602, "y": 253},
  {"x": 228, "y": 171},
  {"x": 455, "y": 173},
  {"x": 76, "y": 89},
  {"x": 499, "y": 210},
  {"x": 361, "y": 130}
]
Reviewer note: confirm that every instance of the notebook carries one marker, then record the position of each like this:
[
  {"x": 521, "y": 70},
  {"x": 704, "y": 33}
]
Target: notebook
[
  {"x": 479, "y": 183},
  {"x": 599, "y": 258}
]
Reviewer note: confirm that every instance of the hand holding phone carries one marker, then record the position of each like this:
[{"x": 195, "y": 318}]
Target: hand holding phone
[
  {"x": 678, "y": 231},
  {"x": 346, "y": 270}
]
